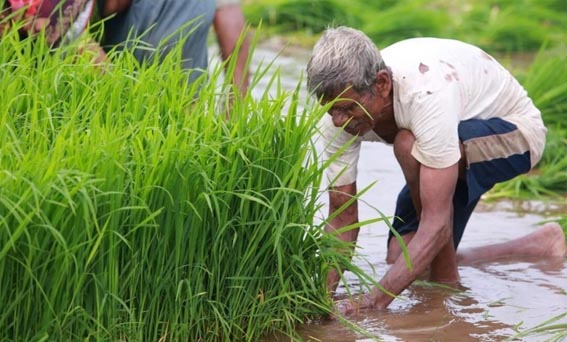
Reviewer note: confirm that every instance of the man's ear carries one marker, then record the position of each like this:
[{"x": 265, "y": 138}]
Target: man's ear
[{"x": 383, "y": 83}]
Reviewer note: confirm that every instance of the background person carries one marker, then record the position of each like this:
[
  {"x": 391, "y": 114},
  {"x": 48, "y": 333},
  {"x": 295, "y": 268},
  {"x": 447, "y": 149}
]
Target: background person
[
  {"x": 156, "y": 23},
  {"x": 459, "y": 123},
  {"x": 147, "y": 24},
  {"x": 62, "y": 21}
]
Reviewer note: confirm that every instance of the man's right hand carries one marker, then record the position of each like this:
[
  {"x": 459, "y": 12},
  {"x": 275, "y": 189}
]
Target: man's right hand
[
  {"x": 338, "y": 196},
  {"x": 352, "y": 306}
]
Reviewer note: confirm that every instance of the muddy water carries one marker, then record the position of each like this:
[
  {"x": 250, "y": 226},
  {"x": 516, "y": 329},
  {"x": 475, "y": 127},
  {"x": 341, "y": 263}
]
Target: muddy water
[{"x": 496, "y": 299}]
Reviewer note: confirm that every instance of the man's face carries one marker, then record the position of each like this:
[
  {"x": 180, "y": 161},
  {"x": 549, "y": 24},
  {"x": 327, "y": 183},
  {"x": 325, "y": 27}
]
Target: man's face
[{"x": 354, "y": 111}]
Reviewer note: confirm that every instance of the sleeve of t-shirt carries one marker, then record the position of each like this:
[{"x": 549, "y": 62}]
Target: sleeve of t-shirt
[
  {"x": 434, "y": 123},
  {"x": 341, "y": 151}
]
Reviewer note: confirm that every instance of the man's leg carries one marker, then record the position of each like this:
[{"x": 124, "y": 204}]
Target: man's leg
[
  {"x": 496, "y": 152},
  {"x": 546, "y": 241},
  {"x": 475, "y": 179},
  {"x": 406, "y": 222}
]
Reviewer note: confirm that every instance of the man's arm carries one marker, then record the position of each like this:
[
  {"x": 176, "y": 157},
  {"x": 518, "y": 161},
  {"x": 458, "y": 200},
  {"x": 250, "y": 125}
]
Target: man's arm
[
  {"x": 338, "y": 196},
  {"x": 433, "y": 237},
  {"x": 229, "y": 24}
]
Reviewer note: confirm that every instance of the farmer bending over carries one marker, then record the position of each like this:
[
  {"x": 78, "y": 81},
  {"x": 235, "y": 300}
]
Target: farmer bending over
[
  {"x": 155, "y": 22},
  {"x": 459, "y": 123}
]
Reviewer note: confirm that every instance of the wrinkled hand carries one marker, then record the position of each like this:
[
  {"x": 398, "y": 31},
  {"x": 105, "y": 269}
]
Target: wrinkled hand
[{"x": 347, "y": 307}]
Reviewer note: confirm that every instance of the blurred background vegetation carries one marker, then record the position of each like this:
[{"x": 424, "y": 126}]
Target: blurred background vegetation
[
  {"x": 496, "y": 26},
  {"x": 529, "y": 37}
]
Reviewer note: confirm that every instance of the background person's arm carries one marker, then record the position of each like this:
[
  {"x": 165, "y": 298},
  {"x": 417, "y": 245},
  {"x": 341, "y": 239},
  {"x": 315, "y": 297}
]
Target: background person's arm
[
  {"x": 115, "y": 6},
  {"x": 229, "y": 24}
]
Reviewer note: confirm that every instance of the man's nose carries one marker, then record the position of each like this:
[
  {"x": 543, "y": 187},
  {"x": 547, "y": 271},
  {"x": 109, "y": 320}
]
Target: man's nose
[{"x": 339, "y": 118}]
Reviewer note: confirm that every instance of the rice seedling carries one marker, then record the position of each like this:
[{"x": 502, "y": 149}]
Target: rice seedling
[
  {"x": 512, "y": 26},
  {"x": 544, "y": 81},
  {"x": 497, "y": 26},
  {"x": 299, "y": 21},
  {"x": 402, "y": 22},
  {"x": 132, "y": 210},
  {"x": 552, "y": 330},
  {"x": 312, "y": 16}
]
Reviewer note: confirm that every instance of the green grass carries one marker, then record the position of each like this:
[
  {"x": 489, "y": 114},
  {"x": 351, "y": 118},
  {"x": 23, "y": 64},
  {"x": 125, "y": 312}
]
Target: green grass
[
  {"x": 544, "y": 82},
  {"x": 498, "y": 26},
  {"x": 132, "y": 209},
  {"x": 313, "y": 16}
]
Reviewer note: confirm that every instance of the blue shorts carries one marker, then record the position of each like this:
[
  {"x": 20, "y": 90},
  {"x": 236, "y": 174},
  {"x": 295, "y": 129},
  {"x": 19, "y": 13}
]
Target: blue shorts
[{"x": 496, "y": 151}]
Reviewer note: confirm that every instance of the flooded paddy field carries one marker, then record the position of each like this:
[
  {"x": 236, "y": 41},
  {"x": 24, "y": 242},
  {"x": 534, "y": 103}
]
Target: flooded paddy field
[{"x": 496, "y": 299}]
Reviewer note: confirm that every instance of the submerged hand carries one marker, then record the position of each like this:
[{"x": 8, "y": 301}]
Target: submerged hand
[{"x": 347, "y": 307}]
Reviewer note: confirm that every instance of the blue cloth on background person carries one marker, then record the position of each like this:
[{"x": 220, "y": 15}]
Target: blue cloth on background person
[{"x": 152, "y": 21}]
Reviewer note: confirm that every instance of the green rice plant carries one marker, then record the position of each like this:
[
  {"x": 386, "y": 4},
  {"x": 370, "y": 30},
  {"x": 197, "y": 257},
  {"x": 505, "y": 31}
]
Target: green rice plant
[
  {"x": 512, "y": 27},
  {"x": 544, "y": 82},
  {"x": 297, "y": 15},
  {"x": 550, "y": 331},
  {"x": 503, "y": 26},
  {"x": 404, "y": 21},
  {"x": 131, "y": 209}
]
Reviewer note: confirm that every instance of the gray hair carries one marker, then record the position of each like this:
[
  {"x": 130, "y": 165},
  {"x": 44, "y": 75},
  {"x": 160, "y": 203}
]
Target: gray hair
[{"x": 343, "y": 57}]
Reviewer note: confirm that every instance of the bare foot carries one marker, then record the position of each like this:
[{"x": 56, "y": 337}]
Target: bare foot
[
  {"x": 551, "y": 240},
  {"x": 546, "y": 241}
]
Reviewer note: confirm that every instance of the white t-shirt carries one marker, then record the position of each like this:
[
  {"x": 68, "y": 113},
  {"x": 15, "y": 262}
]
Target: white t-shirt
[{"x": 438, "y": 83}]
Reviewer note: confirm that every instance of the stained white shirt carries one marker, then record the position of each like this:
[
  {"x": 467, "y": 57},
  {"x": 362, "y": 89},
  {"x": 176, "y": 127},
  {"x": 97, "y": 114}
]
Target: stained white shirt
[{"x": 437, "y": 83}]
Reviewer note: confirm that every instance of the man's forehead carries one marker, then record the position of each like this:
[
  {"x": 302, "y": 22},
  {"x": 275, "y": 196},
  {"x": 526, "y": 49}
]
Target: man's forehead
[{"x": 347, "y": 95}]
